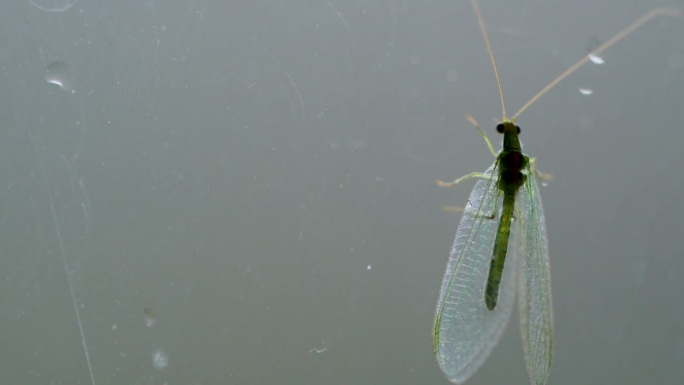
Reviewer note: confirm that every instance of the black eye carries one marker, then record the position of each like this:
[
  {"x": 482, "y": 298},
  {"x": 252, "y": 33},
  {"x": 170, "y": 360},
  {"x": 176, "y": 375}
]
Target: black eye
[
  {"x": 500, "y": 128},
  {"x": 518, "y": 127}
]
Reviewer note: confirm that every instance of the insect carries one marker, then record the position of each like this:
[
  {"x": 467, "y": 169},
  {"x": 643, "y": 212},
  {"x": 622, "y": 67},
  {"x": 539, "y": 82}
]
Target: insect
[{"x": 500, "y": 247}]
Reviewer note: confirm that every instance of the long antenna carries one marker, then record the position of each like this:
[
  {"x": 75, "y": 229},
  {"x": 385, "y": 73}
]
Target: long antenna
[
  {"x": 621, "y": 35},
  {"x": 483, "y": 29}
]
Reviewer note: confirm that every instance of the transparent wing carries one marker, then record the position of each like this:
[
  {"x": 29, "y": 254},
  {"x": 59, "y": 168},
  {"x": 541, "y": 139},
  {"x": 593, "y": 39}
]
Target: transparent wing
[
  {"x": 534, "y": 287},
  {"x": 465, "y": 332}
]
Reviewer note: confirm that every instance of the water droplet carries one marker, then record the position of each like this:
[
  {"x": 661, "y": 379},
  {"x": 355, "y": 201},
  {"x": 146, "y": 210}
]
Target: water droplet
[
  {"x": 319, "y": 350},
  {"x": 58, "y": 73},
  {"x": 150, "y": 317},
  {"x": 369, "y": 267},
  {"x": 159, "y": 359},
  {"x": 596, "y": 59},
  {"x": 53, "y": 5},
  {"x": 586, "y": 91}
]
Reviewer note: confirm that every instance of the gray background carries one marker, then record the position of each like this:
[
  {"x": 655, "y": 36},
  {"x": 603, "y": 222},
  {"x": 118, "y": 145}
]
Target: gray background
[{"x": 259, "y": 175}]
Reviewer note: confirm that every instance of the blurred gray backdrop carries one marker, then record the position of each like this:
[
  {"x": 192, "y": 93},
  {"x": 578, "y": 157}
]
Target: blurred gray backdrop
[{"x": 242, "y": 192}]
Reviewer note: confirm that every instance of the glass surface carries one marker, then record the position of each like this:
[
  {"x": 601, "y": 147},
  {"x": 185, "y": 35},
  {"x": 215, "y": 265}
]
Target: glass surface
[{"x": 242, "y": 192}]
